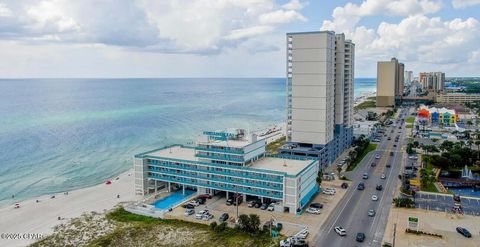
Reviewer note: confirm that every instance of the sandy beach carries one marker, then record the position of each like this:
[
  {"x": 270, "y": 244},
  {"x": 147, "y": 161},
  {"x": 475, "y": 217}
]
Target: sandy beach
[{"x": 40, "y": 217}]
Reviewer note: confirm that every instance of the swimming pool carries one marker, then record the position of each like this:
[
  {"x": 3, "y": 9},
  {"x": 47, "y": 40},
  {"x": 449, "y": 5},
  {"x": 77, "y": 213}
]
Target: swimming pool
[
  {"x": 465, "y": 192},
  {"x": 173, "y": 199},
  {"x": 437, "y": 135}
]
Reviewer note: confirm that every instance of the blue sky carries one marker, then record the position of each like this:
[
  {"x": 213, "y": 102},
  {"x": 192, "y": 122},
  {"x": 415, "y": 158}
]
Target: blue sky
[{"x": 228, "y": 38}]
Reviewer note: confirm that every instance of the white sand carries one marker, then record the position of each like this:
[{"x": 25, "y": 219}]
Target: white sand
[{"x": 41, "y": 217}]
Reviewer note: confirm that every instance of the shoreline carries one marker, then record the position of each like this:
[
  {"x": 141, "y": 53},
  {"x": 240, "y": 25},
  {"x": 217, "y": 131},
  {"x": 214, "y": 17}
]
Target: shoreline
[{"x": 39, "y": 218}]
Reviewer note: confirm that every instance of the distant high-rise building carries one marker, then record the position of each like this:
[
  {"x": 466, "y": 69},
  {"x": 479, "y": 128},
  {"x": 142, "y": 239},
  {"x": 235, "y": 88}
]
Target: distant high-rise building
[
  {"x": 320, "y": 74},
  {"x": 408, "y": 77},
  {"x": 390, "y": 77},
  {"x": 432, "y": 81}
]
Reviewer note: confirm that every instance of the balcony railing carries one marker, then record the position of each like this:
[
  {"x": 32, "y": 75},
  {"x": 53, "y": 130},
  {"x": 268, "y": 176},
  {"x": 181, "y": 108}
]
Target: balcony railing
[
  {"x": 226, "y": 150},
  {"x": 226, "y": 172},
  {"x": 263, "y": 193},
  {"x": 260, "y": 185},
  {"x": 218, "y": 157}
]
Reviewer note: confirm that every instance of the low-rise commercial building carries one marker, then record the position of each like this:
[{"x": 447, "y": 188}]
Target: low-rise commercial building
[
  {"x": 456, "y": 98},
  {"x": 437, "y": 116},
  {"x": 230, "y": 163},
  {"x": 368, "y": 129}
]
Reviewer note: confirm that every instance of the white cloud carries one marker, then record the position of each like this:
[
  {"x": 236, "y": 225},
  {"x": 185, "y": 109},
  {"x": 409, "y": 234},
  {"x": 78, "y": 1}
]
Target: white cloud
[
  {"x": 420, "y": 41},
  {"x": 461, "y": 4},
  {"x": 346, "y": 17},
  {"x": 171, "y": 26}
]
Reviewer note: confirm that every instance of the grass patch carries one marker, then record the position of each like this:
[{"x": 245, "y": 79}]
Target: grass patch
[
  {"x": 373, "y": 98},
  {"x": 371, "y": 147},
  {"x": 143, "y": 228},
  {"x": 273, "y": 147},
  {"x": 429, "y": 187},
  {"x": 365, "y": 105},
  {"x": 409, "y": 126},
  {"x": 410, "y": 120}
]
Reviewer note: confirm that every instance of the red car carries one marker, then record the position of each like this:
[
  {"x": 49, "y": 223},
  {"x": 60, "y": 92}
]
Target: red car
[{"x": 205, "y": 196}]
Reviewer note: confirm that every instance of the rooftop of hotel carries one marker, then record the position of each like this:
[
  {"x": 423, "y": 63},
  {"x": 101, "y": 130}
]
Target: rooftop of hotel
[
  {"x": 240, "y": 143},
  {"x": 284, "y": 165}
]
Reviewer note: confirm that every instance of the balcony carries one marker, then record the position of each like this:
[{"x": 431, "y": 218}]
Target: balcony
[
  {"x": 220, "y": 157},
  {"x": 232, "y": 188},
  {"x": 226, "y": 172},
  {"x": 220, "y": 150}
]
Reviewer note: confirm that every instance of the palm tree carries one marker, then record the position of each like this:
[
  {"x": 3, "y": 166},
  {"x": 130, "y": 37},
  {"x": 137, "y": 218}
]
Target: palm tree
[
  {"x": 470, "y": 142},
  {"x": 478, "y": 148}
]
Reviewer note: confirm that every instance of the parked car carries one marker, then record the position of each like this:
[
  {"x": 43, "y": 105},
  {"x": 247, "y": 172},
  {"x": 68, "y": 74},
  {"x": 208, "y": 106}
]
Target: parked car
[
  {"x": 374, "y": 198},
  {"x": 200, "y": 200},
  {"x": 271, "y": 207},
  {"x": 360, "y": 237},
  {"x": 371, "y": 212},
  {"x": 205, "y": 196},
  {"x": 207, "y": 216},
  {"x": 194, "y": 203},
  {"x": 188, "y": 206},
  {"x": 313, "y": 210},
  {"x": 264, "y": 206},
  {"x": 302, "y": 234},
  {"x": 344, "y": 185},
  {"x": 258, "y": 204},
  {"x": 464, "y": 232},
  {"x": 293, "y": 242},
  {"x": 379, "y": 187},
  {"x": 200, "y": 214},
  {"x": 189, "y": 212},
  {"x": 316, "y": 205},
  {"x": 340, "y": 231},
  {"x": 251, "y": 204},
  {"x": 223, "y": 217}
]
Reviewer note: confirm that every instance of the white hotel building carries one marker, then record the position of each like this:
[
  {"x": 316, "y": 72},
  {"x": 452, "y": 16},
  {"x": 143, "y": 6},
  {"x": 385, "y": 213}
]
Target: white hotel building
[
  {"x": 229, "y": 162},
  {"x": 320, "y": 74}
]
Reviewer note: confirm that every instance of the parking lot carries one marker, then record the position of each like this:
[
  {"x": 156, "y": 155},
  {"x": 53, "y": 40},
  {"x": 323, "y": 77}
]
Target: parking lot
[
  {"x": 432, "y": 222},
  {"x": 292, "y": 223},
  {"x": 439, "y": 202}
]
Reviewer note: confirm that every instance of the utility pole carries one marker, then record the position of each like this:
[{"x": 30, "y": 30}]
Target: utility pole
[
  {"x": 394, "y": 233},
  {"x": 236, "y": 198}
]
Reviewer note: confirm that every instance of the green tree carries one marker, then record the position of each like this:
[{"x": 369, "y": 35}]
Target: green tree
[
  {"x": 319, "y": 177},
  {"x": 339, "y": 170}
]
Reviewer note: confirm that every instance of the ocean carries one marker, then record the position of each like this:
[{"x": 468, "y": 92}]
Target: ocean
[{"x": 62, "y": 134}]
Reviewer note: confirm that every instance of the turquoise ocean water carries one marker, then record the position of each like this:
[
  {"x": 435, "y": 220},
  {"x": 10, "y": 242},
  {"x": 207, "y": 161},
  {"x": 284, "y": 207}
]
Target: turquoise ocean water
[{"x": 62, "y": 134}]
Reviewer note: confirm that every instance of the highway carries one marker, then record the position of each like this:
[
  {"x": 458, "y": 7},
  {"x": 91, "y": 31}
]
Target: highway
[{"x": 351, "y": 212}]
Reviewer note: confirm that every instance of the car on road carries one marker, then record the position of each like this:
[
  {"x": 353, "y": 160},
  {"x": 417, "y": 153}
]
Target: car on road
[
  {"x": 223, "y": 217},
  {"x": 365, "y": 176},
  {"x": 391, "y": 153},
  {"x": 360, "y": 237},
  {"x": 189, "y": 211},
  {"x": 313, "y": 210},
  {"x": 340, "y": 231},
  {"x": 379, "y": 187},
  {"x": 389, "y": 138},
  {"x": 344, "y": 185},
  {"x": 373, "y": 164},
  {"x": 389, "y": 165},
  {"x": 316, "y": 205},
  {"x": 264, "y": 206},
  {"x": 377, "y": 156},
  {"x": 394, "y": 145},
  {"x": 464, "y": 232},
  {"x": 361, "y": 186},
  {"x": 383, "y": 176},
  {"x": 413, "y": 157},
  {"x": 371, "y": 212},
  {"x": 374, "y": 198}
]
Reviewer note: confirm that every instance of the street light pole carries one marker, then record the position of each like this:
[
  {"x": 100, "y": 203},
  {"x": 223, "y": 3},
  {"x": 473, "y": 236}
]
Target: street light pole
[{"x": 394, "y": 233}]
